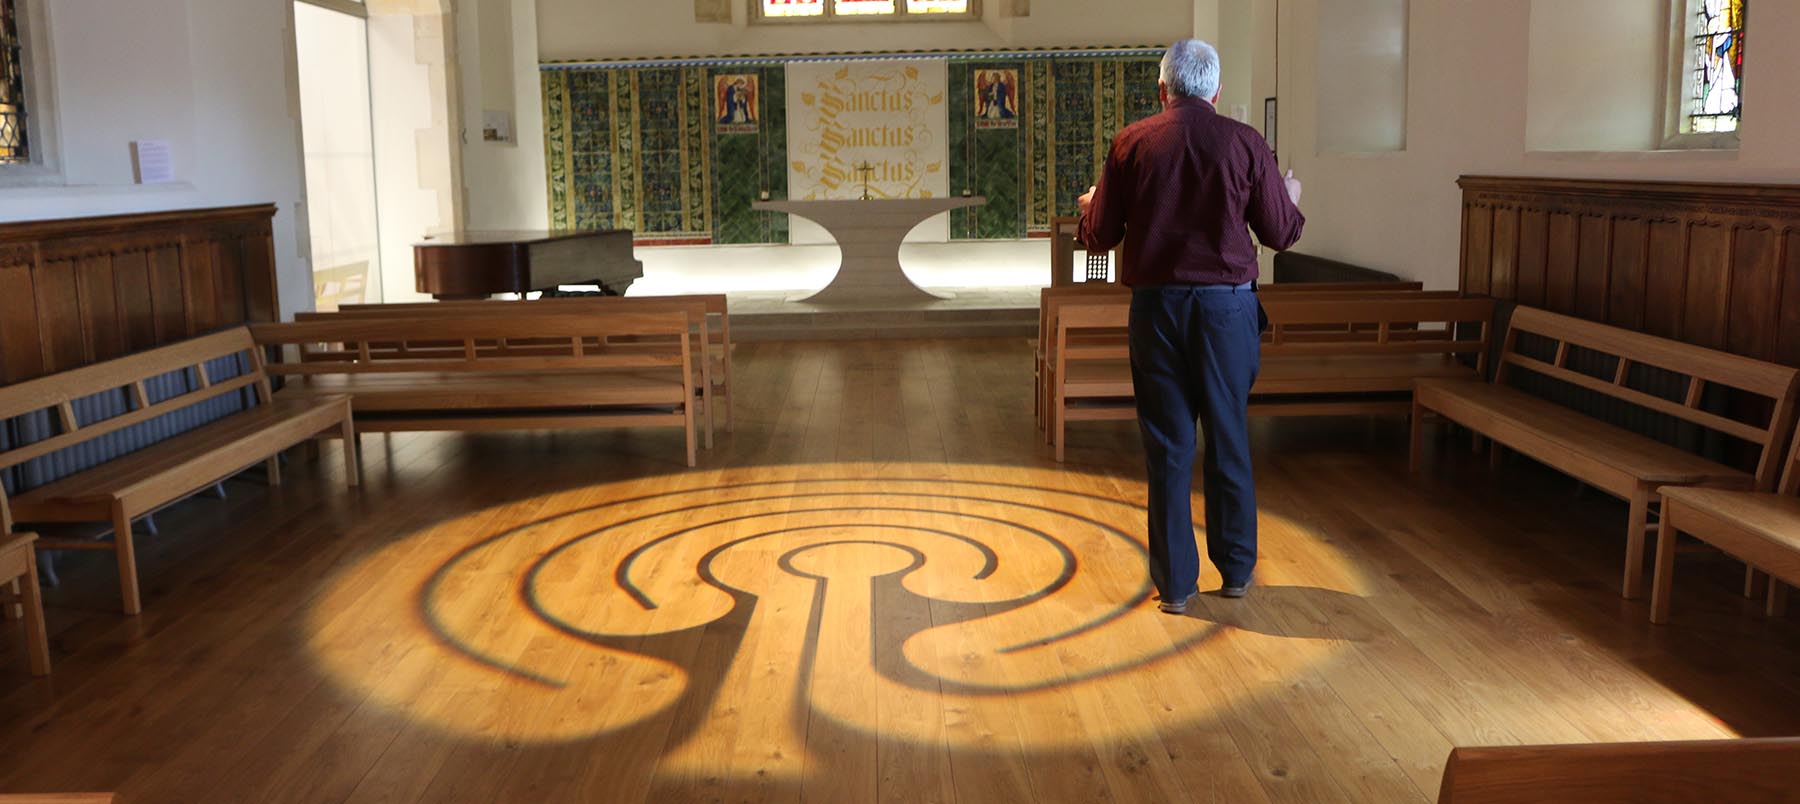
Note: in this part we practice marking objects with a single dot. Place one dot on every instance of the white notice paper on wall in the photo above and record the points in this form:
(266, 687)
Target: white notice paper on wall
(153, 161)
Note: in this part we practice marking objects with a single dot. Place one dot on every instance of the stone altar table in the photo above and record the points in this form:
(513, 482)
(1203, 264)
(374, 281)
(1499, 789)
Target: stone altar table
(869, 234)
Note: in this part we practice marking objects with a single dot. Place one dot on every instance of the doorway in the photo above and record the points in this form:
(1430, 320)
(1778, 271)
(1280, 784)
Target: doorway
(332, 43)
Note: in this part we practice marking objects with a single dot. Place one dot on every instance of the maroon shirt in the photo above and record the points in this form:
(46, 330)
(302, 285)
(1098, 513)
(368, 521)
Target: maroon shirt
(1184, 189)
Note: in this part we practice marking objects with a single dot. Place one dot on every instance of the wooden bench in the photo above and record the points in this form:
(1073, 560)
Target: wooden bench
(559, 378)
(1754, 771)
(1610, 458)
(141, 482)
(23, 600)
(1051, 300)
(708, 315)
(1761, 529)
(1321, 356)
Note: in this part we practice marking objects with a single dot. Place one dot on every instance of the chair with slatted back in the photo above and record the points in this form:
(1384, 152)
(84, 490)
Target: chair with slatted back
(23, 600)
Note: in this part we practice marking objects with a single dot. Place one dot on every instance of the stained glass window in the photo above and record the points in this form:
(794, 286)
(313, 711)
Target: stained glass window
(15, 145)
(864, 10)
(859, 8)
(937, 6)
(793, 8)
(1714, 102)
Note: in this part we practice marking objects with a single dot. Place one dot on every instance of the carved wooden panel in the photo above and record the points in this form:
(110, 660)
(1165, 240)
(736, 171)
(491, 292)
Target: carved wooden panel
(1712, 264)
(74, 292)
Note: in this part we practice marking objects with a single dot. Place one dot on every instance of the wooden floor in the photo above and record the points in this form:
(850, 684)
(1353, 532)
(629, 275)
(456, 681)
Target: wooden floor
(879, 589)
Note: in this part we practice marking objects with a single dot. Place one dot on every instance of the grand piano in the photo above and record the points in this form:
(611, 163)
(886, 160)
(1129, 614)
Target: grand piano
(476, 265)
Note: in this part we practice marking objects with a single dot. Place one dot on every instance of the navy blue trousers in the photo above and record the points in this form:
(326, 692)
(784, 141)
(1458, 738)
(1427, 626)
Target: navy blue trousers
(1195, 352)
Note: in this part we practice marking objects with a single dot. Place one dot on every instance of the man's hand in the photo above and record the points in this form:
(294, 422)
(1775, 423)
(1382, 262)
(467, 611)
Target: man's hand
(1087, 199)
(1293, 188)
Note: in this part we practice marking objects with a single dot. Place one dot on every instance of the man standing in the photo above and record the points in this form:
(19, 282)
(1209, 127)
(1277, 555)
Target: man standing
(1184, 190)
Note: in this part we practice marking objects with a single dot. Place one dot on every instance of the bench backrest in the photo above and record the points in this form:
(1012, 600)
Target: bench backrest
(700, 311)
(708, 304)
(379, 344)
(1702, 369)
(133, 378)
(1309, 325)
(1624, 773)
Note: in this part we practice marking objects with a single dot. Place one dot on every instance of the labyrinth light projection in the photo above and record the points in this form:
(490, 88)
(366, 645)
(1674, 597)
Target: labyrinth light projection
(725, 611)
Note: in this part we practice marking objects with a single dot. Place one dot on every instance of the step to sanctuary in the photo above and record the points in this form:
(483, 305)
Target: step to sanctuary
(1003, 312)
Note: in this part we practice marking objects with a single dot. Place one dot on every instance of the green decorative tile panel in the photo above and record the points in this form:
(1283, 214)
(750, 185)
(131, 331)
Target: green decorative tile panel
(644, 148)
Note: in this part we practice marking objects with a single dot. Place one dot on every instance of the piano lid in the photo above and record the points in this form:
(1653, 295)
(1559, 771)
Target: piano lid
(501, 237)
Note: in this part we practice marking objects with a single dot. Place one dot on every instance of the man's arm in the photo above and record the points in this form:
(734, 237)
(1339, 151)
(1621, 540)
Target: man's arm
(1104, 206)
(1274, 212)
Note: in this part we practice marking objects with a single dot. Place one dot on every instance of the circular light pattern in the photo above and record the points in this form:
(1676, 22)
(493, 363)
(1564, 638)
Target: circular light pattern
(924, 602)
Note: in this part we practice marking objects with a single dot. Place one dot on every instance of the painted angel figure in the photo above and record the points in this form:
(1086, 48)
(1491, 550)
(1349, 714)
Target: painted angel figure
(737, 100)
(1721, 78)
(995, 96)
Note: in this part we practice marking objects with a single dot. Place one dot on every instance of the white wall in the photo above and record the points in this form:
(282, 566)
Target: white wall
(1471, 89)
(599, 29)
(1362, 97)
(506, 182)
(1596, 76)
(213, 77)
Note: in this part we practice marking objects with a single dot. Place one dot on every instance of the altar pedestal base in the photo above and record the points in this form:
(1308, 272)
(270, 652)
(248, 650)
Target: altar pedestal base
(869, 233)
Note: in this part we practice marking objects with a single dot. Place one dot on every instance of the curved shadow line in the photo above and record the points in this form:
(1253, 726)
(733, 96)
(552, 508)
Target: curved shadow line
(441, 631)
(704, 568)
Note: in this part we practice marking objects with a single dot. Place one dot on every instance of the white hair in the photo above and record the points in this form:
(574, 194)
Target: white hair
(1191, 70)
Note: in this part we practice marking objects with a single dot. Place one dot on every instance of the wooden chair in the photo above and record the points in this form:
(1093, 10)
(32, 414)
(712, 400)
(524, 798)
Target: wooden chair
(1755, 771)
(1759, 528)
(23, 600)
(560, 377)
(133, 485)
(1612, 459)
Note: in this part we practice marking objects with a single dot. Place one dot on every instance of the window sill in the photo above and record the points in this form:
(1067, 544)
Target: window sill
(51, 191)
(1664, 155)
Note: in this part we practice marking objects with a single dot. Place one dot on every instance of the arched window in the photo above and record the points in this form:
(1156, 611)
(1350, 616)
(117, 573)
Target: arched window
(862, 10)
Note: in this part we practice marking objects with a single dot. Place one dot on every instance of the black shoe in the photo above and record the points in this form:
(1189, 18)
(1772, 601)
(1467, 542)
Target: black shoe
(1168, 606)
(1235, 591)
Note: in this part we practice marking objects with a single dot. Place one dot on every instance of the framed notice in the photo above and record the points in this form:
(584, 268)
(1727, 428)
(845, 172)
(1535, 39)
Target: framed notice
(1269, 122)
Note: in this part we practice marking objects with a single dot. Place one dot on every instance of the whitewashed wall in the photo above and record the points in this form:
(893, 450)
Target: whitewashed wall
(213, 77)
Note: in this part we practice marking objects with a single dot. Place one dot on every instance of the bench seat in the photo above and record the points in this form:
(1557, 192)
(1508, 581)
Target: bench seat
(439, 391)
(165, 470)
(1280, 376)
(1570, 441)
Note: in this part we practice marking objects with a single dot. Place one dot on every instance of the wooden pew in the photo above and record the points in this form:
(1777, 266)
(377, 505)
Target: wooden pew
(139, 483)
(1612, 459)
(1754, 771)
(560, 380)
(708, 313)
(1051, 299)
(24, 600)
(1321, 356)
(1759, 528)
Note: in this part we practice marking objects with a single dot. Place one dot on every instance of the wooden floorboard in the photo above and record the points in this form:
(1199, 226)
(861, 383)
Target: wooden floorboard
(880, 588)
